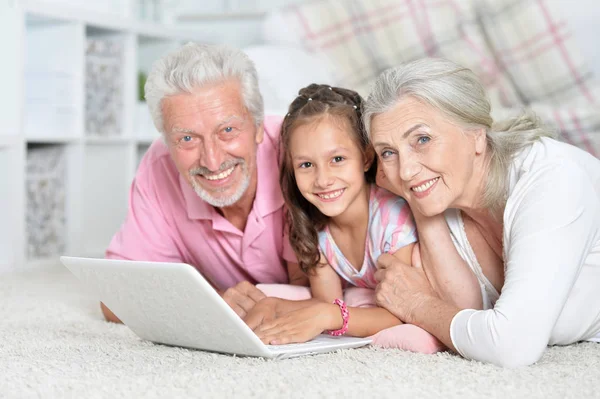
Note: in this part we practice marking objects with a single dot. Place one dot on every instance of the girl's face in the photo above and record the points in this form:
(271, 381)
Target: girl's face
(328, 164)
(427, 159)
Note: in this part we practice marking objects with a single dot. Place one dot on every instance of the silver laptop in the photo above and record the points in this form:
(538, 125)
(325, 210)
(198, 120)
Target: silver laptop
(172, 304)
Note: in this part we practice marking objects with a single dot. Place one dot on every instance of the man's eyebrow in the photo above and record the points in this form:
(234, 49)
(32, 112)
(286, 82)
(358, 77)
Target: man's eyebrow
(231, 118)
(182, 130)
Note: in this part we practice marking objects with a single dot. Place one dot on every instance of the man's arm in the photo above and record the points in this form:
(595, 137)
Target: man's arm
(146, 234)
(109, 315)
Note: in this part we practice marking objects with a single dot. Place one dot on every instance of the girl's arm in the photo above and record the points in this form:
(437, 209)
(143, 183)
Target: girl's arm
(325, 283)
(295, 275)
(306, 321)
(325, 286)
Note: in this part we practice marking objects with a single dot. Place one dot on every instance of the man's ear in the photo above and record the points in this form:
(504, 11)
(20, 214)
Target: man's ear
(260, 133)
(369, 157)
(480, 140)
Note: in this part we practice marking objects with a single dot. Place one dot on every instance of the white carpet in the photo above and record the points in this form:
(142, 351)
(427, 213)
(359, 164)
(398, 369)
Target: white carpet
(54, 343)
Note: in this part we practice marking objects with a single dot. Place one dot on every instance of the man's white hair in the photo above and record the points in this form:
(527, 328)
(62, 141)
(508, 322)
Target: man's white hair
(194, 65)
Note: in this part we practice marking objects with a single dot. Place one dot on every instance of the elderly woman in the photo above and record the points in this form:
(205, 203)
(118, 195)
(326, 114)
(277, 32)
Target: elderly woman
(508, 219)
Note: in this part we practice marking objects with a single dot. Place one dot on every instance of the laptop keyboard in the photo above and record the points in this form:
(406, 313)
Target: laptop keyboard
(319, 341)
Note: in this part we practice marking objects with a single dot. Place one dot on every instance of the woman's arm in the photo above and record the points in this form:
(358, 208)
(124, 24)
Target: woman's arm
(550, 229)
(448, 273)
(450, 276)
(548, 234)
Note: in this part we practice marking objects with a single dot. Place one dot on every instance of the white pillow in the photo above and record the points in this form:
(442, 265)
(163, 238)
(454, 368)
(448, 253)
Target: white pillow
(283, 70)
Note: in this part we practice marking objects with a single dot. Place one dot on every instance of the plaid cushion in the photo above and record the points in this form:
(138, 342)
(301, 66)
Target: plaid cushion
(536, 52)
(523, 50)
(364, 37)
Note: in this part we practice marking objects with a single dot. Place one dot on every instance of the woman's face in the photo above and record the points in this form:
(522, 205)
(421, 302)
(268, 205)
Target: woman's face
(427, 159)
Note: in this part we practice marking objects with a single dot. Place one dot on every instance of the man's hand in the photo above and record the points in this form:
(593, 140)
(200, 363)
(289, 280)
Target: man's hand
(242, 297)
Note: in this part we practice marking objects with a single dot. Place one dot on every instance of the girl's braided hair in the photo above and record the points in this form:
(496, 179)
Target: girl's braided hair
(313, 103)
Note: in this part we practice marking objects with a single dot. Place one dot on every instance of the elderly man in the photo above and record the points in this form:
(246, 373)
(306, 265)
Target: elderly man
(208, 193)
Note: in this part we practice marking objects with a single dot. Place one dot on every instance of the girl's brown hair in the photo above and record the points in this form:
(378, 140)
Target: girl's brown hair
(313, 103)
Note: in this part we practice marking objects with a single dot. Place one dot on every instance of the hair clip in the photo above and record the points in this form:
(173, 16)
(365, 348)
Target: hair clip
(309, 99)
(355, 107)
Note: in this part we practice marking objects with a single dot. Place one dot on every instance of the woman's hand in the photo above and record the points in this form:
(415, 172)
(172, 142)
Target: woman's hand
(299, 325)
(402, 288)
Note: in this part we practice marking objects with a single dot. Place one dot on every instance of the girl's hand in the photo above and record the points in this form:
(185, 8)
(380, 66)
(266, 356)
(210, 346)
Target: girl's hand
(263, 312)
(300, 325)
(402, 288)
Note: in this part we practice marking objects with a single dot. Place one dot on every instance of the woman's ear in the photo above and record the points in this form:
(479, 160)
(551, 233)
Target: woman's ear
(480, 140)
(369, 157)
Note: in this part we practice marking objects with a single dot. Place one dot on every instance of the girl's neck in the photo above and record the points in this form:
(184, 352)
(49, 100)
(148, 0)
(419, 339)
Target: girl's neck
(356, 217)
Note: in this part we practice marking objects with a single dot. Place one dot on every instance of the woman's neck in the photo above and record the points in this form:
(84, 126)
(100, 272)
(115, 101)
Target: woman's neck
(472, 203)
(356, 216)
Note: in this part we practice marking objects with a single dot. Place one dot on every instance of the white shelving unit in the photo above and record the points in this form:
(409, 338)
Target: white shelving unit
(71, 134)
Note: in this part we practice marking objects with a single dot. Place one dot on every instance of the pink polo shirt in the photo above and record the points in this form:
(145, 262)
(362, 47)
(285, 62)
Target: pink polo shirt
(168, 222)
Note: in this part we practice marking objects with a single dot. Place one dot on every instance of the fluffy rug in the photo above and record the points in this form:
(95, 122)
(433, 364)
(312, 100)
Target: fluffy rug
(54, 343)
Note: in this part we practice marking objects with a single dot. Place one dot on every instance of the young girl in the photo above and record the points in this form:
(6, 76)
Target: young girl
(340, 222)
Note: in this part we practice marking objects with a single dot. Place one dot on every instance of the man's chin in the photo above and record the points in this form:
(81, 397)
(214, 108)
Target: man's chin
(219, 198)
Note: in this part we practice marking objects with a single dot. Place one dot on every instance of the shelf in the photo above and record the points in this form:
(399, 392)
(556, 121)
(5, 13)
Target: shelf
(52, 79)
(44, 11)
(46, 191)
(43, 263)
(105, 55)
(65, 181)
(9, 140)
(104, 206)
(221, 16)
(146, 141)
(108, 140)
(11, 204)
(52, 139)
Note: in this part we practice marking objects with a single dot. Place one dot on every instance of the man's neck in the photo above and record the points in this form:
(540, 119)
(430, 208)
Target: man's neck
(237, 214)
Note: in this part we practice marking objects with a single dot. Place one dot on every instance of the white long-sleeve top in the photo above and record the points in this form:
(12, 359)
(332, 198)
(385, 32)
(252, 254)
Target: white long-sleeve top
(551, 244)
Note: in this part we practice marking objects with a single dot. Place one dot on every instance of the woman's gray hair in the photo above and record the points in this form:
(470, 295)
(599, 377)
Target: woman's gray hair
(194, 65)
(457, 92)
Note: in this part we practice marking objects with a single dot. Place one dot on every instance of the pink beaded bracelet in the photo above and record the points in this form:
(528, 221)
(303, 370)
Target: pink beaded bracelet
(345, 317)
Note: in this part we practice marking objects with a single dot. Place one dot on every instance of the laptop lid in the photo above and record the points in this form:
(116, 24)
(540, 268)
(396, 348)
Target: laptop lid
(168, 303)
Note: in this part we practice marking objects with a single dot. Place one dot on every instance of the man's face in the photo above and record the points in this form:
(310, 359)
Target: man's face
(213, 139)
